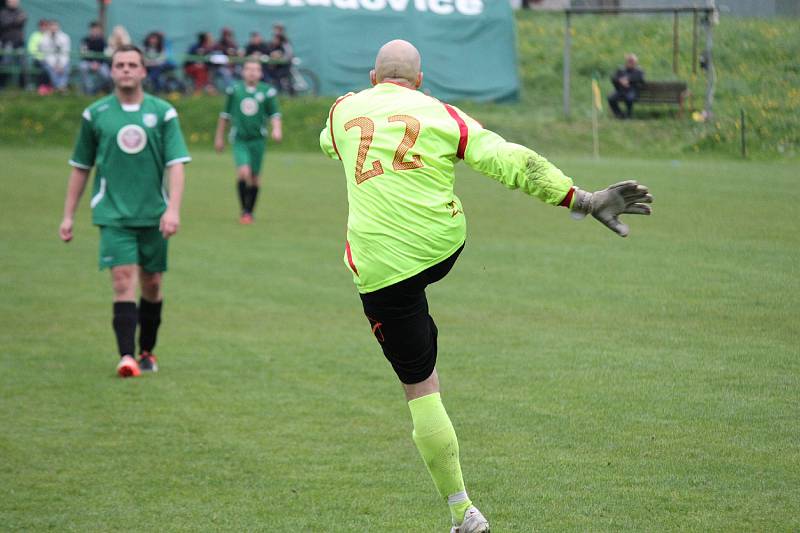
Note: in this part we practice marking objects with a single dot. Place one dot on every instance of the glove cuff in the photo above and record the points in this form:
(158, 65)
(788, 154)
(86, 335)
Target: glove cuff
(581, 204)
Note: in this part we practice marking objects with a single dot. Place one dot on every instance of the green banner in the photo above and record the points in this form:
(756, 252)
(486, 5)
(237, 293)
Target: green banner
(468, 46)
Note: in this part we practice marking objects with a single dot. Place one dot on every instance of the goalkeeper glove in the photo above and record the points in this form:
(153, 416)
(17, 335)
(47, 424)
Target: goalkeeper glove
(625, 197)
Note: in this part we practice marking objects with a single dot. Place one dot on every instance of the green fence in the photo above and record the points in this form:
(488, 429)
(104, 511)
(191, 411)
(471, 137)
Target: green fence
(468, 46)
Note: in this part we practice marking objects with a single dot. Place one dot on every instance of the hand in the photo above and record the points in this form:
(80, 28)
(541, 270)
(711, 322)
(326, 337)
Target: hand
(625, 197)
(219, 145)
(65, 230)
(277, 135)
(170, 221)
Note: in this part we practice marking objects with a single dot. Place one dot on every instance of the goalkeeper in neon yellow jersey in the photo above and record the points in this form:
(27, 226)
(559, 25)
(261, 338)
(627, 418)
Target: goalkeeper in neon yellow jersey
(247, 107)
(406, 228)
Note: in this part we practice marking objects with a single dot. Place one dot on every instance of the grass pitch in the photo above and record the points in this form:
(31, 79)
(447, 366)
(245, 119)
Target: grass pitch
(596, 383)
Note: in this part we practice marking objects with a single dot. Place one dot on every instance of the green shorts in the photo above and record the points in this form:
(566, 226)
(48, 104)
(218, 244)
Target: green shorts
(145, 247)
(249, 153)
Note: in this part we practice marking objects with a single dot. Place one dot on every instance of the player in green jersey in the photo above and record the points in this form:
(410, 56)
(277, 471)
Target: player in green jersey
(406, 228)
(131, 138)
(249, 103)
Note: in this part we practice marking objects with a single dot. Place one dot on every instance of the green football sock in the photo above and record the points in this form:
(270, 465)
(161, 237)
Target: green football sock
(438, 445)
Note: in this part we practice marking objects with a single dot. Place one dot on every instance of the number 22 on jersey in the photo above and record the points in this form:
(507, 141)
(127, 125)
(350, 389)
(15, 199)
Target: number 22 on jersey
(367, 127)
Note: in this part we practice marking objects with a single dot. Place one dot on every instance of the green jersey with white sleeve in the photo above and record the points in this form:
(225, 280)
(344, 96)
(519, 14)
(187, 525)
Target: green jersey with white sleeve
(130, 146)
(248, 108)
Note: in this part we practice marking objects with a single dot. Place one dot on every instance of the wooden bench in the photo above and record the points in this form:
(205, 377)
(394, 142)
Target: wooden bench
(664, 92)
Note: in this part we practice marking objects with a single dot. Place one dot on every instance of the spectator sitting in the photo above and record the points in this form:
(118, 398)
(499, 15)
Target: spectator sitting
(155, 59)
(95, 75)
(36, 55)
(119, 36)
(227, 47)
(280, 59)
(627, 80)
(279, 36)
(198, 70)
(12, 40)
(55, 46)
(256, 45)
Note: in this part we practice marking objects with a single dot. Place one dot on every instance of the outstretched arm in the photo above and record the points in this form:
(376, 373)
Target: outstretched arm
(515, 166)
(518, 167)
(77, 183)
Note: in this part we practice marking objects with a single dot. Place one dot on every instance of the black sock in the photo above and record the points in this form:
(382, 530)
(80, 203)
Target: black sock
(149, 320)
(125, 318)
(252, 195)
(243, 195)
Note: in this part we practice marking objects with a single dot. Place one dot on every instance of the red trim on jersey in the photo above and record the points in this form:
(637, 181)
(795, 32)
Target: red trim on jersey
(568, 198)
(330, 123)
(350, 257)
(462, 129)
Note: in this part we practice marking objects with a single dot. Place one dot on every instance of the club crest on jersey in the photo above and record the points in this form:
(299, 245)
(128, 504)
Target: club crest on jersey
(150, 119)
(249, 107)
(131, 139)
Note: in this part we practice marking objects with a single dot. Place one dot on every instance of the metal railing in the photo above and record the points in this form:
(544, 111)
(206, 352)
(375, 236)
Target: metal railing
(20, 68)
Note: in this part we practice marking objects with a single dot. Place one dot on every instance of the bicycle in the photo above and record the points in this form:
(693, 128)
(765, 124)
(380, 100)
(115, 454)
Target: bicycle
(304, 81)
(170, 81)
(296, 81)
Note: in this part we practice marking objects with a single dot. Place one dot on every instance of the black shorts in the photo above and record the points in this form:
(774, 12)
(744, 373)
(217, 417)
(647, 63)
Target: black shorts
(398, 316)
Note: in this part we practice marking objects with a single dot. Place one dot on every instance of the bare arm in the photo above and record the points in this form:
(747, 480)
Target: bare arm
(77, 183)
(219, 137)
(277, 128)
(171, 219)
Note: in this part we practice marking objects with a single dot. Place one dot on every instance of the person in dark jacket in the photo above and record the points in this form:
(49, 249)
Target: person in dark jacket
(95, 74)
(198, 70)
(628, 81)
(280, 55)
(224, 58)
(12, 40)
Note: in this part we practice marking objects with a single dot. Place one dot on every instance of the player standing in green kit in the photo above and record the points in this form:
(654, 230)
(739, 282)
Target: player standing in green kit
(248, 105)
(132, 138)
(406, 228)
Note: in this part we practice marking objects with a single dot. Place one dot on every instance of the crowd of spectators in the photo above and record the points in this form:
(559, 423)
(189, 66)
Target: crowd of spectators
(46, 60)
(216, 64)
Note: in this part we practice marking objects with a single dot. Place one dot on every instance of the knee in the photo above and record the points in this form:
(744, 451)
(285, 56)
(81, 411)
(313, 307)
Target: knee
(244, 173)
(122, 280)
(151, 285)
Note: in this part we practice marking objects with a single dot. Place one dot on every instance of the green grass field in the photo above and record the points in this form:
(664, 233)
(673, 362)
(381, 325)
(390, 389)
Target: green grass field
(596, 383)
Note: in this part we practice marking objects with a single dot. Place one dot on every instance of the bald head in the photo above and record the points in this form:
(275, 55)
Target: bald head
(398, 61)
